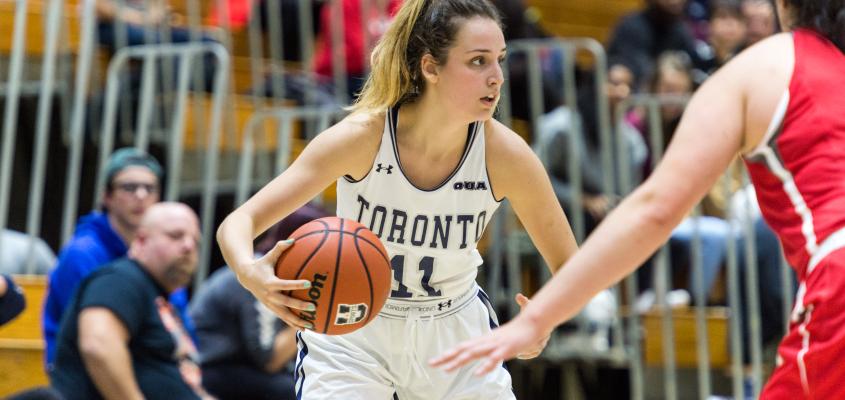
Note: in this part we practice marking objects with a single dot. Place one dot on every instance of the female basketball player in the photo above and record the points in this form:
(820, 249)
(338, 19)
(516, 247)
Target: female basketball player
(780, 104)
(421, 162)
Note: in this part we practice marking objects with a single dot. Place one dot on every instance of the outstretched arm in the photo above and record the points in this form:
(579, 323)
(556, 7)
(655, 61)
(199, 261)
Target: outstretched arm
(708, 137)
(518, 175)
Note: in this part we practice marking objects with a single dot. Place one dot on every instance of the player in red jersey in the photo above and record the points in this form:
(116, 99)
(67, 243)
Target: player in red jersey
(781, 105)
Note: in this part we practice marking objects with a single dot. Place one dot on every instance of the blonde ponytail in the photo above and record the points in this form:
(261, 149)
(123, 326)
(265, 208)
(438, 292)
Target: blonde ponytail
(390, 78)
(420, 27)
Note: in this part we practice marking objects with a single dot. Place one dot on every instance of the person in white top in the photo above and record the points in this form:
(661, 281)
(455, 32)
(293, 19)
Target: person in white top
(422, 163)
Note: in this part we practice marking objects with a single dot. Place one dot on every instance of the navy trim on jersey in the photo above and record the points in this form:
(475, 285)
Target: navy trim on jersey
(472, 131)
(486, 301)
(490, 315)
(299, 370)
(490, 181)
(350, 179)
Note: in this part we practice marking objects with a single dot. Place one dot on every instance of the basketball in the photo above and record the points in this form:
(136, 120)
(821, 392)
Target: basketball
(349, 272)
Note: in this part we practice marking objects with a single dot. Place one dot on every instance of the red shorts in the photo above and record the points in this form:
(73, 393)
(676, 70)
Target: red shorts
(812, 355)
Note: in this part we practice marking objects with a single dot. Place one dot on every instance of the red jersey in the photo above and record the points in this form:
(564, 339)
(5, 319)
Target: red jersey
(376, 22)
(798, 170)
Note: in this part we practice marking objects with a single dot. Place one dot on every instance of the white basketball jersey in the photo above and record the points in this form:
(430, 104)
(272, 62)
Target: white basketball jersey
(430, 235)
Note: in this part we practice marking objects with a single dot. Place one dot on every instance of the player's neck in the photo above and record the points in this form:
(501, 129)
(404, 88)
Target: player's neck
(432, 131)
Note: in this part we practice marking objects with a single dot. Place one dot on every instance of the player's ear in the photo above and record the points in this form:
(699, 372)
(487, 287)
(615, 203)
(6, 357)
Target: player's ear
(429, 67)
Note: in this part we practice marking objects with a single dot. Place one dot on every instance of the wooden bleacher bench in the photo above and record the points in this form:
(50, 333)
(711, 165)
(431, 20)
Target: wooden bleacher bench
(684, 332)
(237, 111)
(36, 27)
(577, 18)
(21, 340)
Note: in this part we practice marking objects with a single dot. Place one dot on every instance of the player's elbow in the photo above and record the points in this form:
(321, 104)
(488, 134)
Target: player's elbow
(661, 209)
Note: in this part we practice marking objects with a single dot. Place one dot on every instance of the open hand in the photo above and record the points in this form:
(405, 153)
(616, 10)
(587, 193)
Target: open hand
(516, 338)
(537, 348)
(260, 279)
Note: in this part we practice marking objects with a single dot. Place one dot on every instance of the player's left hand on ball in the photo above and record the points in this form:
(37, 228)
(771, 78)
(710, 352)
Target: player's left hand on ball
(537, 348)
(508, 341)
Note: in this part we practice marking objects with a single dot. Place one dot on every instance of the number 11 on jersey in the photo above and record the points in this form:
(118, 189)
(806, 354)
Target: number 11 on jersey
(397, 263)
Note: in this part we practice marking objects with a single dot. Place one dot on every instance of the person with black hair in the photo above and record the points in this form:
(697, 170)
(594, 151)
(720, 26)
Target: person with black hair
(642, 36)
(120, 337)
(133, 184)
(555, 139)
(779, 104)
(727, 33)
(760, 20)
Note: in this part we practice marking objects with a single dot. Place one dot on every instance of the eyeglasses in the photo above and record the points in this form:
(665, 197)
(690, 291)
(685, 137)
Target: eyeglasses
(132, 187)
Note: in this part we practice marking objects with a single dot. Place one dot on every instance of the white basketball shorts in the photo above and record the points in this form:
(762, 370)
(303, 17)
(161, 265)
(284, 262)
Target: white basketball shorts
(388, 358)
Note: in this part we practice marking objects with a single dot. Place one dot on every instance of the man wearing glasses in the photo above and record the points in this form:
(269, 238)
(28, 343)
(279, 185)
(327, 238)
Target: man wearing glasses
(133, 184)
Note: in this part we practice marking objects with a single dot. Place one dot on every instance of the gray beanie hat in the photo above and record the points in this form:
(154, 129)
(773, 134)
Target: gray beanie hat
(130, 156)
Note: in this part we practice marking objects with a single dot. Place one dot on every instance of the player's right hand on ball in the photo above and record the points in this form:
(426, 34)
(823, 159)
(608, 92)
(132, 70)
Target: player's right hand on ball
(260, 279)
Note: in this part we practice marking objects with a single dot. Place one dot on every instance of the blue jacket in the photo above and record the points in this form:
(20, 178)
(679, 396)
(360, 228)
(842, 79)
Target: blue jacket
(93, 244)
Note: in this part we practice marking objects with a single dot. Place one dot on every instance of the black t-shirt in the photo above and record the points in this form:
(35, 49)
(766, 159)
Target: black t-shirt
(158, 344)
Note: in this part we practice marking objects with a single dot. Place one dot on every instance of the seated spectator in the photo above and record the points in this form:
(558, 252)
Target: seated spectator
(555, 141)
(760, 20)
(557, 129)
(12, 301)
(727, 34)
(141, 21)
(136, 22)
(133, 184)
(15, 250)
(355, 27)
(642, 36)
(520, 22)
(121, 337)
(675, 78)
(245, 350)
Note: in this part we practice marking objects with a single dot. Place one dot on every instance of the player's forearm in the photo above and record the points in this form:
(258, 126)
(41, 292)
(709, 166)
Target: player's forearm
(110, 367)
(628, 236)
(235, 236)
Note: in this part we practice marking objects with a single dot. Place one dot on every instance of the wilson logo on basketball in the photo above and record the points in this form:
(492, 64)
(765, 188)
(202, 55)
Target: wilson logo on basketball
(469, 185)
(314, 295)
(350, 313)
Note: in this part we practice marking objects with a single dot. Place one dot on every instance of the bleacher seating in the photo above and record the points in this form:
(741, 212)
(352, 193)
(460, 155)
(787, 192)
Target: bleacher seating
(21, 342)
(36, 27)
(577, 18)
(684, 332)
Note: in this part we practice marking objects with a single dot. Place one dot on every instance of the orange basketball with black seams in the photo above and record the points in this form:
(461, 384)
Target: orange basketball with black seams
(349, 272)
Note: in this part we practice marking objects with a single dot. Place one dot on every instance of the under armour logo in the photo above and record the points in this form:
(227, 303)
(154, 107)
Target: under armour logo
(348, 314)
(445, 304)
(388, 168)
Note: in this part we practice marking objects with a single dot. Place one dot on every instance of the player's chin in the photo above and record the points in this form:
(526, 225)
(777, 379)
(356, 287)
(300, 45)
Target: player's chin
(485, 114)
